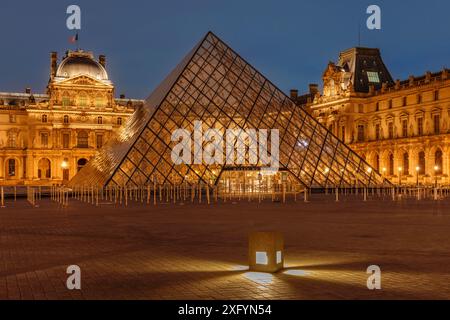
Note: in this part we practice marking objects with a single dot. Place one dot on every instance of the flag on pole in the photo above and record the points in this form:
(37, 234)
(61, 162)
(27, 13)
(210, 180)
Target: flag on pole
(74, 38)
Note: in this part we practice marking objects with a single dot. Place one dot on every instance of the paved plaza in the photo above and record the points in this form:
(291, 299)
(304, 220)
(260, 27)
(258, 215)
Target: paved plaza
(199, 251)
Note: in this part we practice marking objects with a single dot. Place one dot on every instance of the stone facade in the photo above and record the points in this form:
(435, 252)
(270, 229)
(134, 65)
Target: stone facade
(46, 138)
(401, 128)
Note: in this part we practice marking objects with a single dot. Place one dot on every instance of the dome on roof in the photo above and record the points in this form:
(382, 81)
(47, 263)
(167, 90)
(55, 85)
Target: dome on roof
(78, 63)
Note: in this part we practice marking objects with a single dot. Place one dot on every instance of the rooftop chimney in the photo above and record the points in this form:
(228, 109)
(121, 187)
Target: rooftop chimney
(102, 60)
(313, 88)
(53, 64)
(28, 90)
(294, 94)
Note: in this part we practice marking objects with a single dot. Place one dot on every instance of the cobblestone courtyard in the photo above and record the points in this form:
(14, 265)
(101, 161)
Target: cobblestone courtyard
(186, 251)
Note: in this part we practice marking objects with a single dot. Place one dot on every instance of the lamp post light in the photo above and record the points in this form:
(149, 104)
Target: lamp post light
(64, 164)
(400, 175)
(436, 168)
(417, 175)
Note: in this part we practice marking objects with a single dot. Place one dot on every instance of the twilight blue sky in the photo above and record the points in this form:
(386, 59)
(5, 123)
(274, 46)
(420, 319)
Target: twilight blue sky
(289, 41)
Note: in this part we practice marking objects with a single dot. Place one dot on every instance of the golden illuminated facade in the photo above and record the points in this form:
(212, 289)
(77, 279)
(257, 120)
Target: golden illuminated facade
(46, 138)
(401, 128)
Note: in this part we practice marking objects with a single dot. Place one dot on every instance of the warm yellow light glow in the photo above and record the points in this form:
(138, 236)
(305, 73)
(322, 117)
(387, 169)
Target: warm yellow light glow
(436, 168)
(327, 170)
(400, 169)
(384, 169)
(64, 165)
(417, 168)
(369, 170)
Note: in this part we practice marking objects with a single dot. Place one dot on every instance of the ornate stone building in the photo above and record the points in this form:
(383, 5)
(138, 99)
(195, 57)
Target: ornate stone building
(401, 128)
(47, 138)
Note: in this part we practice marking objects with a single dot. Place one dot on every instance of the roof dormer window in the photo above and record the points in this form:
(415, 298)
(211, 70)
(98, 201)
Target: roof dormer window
(373, 77)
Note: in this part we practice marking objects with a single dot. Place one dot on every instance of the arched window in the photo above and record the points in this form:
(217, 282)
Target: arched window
(44, 169)
(406, 163)
(82, 100)
(44, 118)
(421, 162)
(438, 161)
(11, 167)
(81, 163)
(82, 139)
(99, 102)
(65, 101)
(66, 119)
(119, 121)
(391, 164)
(99, 120)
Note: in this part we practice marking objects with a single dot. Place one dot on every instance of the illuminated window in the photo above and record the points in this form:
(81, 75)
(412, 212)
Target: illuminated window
(391, 164)
(373, 77)
(391, 130)
(420, 126)
(83, 139)
(406, 163)
(66, 139)
(360, 133)
(44, 139)
(11, 167)
(436, 121)
(12, 140)
(438, 161)
(404, 128)
(65, 101)
(421, 162)
(82, 101)
(99, 141)
(99, 102)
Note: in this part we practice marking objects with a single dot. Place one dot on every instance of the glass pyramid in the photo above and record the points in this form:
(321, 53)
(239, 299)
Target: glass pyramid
(214, 85)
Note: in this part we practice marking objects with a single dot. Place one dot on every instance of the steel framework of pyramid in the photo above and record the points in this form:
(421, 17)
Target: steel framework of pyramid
(215, 85)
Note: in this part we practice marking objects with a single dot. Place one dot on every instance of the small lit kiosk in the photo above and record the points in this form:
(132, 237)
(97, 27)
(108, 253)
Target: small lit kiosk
(266, 251)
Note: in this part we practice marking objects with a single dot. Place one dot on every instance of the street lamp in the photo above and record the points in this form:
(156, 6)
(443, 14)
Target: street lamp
(417, 175)
(399, 175)
(384, 171)
(64, 164)
(436, 168)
